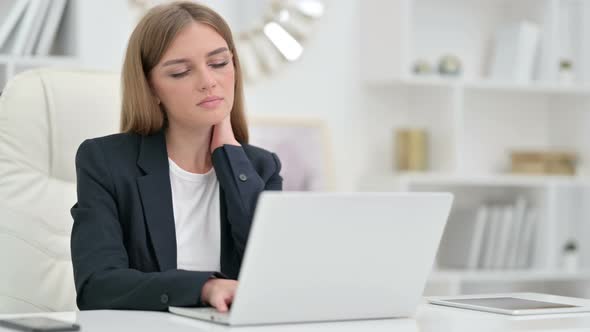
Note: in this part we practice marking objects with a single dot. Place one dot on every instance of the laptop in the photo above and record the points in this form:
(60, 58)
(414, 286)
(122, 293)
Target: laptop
(315, 257)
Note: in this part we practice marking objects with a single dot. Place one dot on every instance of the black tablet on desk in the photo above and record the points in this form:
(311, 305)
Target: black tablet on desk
(513, 304)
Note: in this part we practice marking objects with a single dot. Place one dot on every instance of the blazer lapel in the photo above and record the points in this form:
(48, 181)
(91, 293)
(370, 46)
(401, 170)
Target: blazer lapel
(156, 198)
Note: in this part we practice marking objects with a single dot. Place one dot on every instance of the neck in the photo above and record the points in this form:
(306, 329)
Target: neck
(190, 149)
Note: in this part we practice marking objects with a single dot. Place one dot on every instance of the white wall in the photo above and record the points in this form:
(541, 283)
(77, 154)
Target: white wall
(324, 83)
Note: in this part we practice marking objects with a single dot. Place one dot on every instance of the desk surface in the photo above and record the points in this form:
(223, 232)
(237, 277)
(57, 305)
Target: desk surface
(428, 318)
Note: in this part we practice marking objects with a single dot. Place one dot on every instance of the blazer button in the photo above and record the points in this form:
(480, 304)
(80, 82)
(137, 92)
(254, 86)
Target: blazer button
(243, 177)
(164, 298)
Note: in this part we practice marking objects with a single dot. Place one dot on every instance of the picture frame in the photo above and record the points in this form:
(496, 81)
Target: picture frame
(302, 145)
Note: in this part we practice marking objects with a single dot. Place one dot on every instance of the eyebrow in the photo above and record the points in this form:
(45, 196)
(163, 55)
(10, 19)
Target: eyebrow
(177, 61)
(217, 51)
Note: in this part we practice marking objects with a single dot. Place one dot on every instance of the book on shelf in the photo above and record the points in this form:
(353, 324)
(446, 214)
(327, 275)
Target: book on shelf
(515, 245)
(505, 226)
(29, 27)
(50, 27)
(524, 259)
(515, 52)
(489, 236)
(36, 27)
(11, 12)
(477, 237)
(23, 30)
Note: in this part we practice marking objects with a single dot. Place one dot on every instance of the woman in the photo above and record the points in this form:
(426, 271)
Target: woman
(164, 208)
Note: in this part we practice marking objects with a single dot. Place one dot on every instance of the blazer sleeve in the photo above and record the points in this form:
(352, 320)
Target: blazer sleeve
(101, 268)
(275, 182)
(242, 185)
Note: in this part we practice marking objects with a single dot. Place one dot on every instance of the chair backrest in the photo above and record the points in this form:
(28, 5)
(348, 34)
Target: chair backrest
(44, 116)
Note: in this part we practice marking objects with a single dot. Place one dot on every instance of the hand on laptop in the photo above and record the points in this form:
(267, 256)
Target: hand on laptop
(219, 293)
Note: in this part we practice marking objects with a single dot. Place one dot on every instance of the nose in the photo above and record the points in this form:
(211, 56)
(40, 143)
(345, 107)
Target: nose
(207, 82)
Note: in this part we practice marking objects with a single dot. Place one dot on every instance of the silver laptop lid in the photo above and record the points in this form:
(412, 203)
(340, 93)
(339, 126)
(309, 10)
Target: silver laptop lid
(335, 256)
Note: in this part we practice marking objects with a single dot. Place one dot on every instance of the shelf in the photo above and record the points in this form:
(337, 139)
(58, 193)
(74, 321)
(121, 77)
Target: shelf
(36, 60)
(487, 85)
(474, 121)
(434, 82)
(503, 180)
(540, 88)
(508, 276)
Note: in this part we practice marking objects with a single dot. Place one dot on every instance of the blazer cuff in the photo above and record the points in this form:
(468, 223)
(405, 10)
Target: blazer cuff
(218, 275)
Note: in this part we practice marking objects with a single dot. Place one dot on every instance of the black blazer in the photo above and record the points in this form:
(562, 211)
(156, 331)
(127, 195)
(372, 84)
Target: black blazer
(123, 240)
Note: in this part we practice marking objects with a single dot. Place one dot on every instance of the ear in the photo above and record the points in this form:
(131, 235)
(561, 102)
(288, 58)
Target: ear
(158, 101)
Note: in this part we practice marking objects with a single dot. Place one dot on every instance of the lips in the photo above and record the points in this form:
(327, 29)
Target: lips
(210, 102)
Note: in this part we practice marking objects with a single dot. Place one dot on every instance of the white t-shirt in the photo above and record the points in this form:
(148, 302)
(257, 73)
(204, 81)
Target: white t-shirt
(195, 200)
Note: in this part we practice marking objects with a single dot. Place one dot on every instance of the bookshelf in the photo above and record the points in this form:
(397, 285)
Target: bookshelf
(88, 36)
(29, 30)
(474, 121)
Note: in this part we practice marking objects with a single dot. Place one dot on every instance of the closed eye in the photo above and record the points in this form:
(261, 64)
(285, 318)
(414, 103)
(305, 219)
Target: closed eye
(178, 75)
(219, 64)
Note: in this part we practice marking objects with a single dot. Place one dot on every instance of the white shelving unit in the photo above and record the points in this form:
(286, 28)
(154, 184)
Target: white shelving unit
(91, 35)
(474, 123)
(10, 65)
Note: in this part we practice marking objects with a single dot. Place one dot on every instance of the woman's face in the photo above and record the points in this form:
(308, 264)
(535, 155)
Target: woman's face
(194, 80)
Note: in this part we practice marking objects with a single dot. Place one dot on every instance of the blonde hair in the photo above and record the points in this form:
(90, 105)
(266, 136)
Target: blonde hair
(140, 112)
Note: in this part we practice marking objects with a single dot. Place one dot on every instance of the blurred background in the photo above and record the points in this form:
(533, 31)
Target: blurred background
(488, 99)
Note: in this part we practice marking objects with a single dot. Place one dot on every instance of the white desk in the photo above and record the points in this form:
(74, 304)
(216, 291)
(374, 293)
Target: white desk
(428, 318)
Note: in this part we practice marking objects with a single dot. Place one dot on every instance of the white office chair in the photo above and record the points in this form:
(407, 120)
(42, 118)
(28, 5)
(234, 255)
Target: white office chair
(44, 116)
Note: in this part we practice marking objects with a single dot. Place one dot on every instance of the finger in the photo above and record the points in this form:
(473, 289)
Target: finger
(229, 300)
(219, 303)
